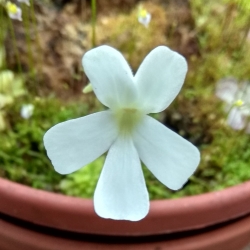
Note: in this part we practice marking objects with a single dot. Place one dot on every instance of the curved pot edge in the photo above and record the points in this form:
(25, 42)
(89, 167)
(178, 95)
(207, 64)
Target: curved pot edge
(48, 209)
(234, 236)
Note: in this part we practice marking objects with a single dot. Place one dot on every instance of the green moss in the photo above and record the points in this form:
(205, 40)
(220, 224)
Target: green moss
(82, 183)
(22, 154)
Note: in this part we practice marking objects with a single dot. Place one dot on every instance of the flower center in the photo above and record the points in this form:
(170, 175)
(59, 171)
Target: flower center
(142, 13)
(238, 103)
(127, 119)
(11, 8)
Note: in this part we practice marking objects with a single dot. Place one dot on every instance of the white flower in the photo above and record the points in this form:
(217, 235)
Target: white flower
(237, 99)
(14, 12)
(27, 2)
(27, 111)
(143, 16)
(126, 131)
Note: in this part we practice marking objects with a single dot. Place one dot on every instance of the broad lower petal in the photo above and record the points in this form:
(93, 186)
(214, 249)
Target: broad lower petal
(160, 78)
(73, 144)
(121, 192)
(110, 76)
(167, 155)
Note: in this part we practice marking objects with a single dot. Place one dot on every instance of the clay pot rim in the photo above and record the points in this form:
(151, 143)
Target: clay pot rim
(77, 215)
(230, 236)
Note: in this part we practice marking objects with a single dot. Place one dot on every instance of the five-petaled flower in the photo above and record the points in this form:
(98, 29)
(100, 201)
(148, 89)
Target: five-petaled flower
(126, 131)
(144, 17)
(237, 99)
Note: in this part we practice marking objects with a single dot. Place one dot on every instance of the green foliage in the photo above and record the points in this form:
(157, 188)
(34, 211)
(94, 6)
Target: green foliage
(82, 183)
(11, 87)
(125, 33)
(22, 154)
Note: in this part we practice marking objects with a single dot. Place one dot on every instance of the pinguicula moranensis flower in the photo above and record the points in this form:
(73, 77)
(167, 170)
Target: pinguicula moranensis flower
(144, 17)
(237, 98)
(126, 131)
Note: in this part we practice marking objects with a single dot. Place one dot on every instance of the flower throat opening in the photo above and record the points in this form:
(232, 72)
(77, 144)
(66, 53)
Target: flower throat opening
(127, 119)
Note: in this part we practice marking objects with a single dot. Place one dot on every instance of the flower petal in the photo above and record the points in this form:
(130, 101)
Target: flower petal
(236, 120)
(110, 76)
(226, 90)
(160, 78)
(17, 15)
(121, 192)
(73, 144)
(167, 155)
(145, 20)
(245, 97)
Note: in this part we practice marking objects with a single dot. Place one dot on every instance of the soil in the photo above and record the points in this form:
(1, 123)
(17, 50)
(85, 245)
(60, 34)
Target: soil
(61, 34)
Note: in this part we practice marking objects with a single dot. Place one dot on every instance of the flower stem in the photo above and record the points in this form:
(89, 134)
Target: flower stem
(2, 34)
(12, 32)
(38, 45)
(93, 22)
(27, 36)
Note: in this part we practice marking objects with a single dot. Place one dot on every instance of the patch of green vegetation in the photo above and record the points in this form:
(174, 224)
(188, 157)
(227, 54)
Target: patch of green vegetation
(125, 33)
(22, 155)
(222, 29)
(82, 183)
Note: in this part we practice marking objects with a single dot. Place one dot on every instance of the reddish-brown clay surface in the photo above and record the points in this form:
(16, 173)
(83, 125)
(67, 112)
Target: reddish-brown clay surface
(165, 216)
(231, 237)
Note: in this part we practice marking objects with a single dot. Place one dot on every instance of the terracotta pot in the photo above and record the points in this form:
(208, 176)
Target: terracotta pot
(35, 219)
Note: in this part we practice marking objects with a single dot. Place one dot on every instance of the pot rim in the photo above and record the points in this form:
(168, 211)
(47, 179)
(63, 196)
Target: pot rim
(230, 237)
(74, 214)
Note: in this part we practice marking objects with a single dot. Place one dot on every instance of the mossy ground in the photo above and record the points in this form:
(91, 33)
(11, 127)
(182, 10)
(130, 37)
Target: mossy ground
(214, 37)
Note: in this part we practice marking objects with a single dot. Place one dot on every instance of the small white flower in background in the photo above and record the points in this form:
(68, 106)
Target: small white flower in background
(27, 2)
(143, 16)
(14, 12)
(27, 111)
(126, 131)
(237, 99)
